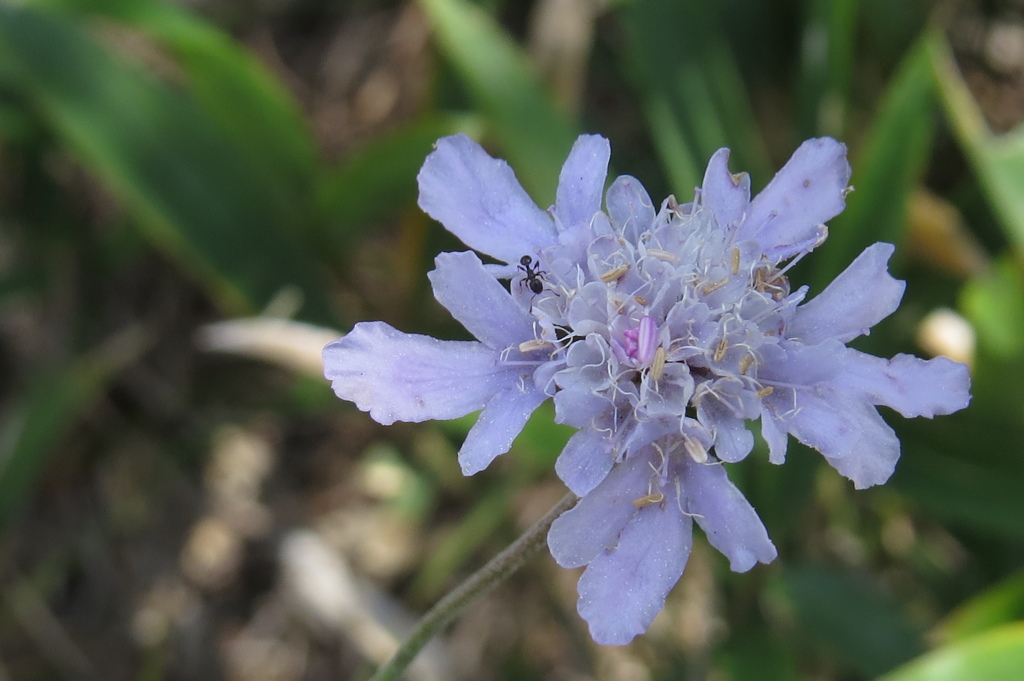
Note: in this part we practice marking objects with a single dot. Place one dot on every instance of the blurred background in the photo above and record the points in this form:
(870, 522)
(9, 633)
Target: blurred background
(196, 196)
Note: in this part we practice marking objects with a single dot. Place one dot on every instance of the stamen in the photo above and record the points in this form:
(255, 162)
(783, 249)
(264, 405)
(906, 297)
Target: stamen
(723, 345)
(534, 344)
(746, 361)
(649, 500)
(662, 255)
(735, 260)
(658, 363)
(765, 391)
(695, 449)
(714, 286)
(614, 274)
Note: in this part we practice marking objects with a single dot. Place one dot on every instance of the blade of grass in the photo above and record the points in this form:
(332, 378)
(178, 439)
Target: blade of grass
(234, 88)
(994, 656)
(996, 606)
(887, 169)
(694, 98)
(193, 193)
(826, 67)
(997, 159)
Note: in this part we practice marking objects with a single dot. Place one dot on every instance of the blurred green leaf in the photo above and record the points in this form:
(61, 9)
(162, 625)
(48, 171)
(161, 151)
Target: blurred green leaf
(993, 656)
(867, 631)
(682, 166)
(689, 85)
(998, 160)
(194, 193)
(756, 654)
(235, 89)
(993, 303)
(997, 606)
(378, 179)
(535, 136)
(35, 425)
(887, 169)
(941, 471)
(827, 66)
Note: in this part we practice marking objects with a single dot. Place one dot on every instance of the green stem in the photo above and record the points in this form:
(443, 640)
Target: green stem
(478, 584)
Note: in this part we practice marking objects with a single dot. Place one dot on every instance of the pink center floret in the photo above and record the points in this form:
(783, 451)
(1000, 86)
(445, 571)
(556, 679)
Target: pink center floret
(640, 342)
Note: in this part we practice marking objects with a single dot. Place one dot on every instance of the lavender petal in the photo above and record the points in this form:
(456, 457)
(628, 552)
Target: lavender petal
(585, 460)
(727, 518)
(724, 194)
(478, 199)
(860, 297)
(500, 422)
(786, 217)
(593, 525)
(581, 182)
(910, 385)
(629, 206)
(404, 377)
(849, 433)
(624, 588)
(478, 301)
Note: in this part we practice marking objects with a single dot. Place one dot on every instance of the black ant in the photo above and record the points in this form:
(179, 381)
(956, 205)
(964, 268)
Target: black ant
(534, 274)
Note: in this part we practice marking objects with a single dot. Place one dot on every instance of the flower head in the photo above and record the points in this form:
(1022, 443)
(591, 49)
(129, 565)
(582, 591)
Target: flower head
(659, 333)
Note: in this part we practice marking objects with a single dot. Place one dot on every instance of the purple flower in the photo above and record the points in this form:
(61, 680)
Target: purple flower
(659, 333)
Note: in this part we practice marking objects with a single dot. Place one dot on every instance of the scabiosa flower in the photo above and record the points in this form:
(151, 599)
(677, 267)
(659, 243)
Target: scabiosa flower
(658, 333)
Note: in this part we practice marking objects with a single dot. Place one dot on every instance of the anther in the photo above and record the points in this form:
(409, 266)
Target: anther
(534, 344)
(649, 500)
(696, 450)
(735, 260)
(746, 361)
(714, 286)
(765, 391)
(658, 364)
(614, 274)
(723, 345)
(662, 255)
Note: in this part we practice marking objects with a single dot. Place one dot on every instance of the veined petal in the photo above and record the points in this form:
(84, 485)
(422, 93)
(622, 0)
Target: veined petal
(479, 301)
(910, 385)
(776, 438)
(577, 408)
(581, 182)
(786, 217)
(733, 441)
(828, 425)
(793, 363)
(725, 515)
(405, 377)
(593, 525)
(849, 433)
(724, 194)
(873, 459)
(500, 422)
(863, 295)
(624, 588)
(629, 206)
(586, 460)
(478, 199)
